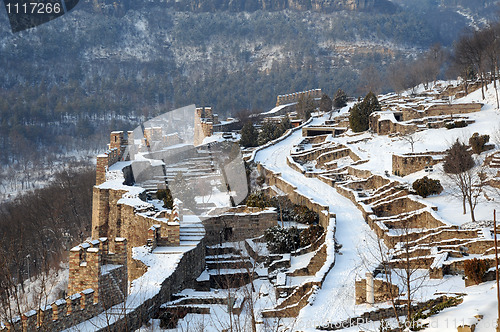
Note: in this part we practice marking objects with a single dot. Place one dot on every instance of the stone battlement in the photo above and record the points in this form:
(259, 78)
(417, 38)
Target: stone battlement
(294, 97)
(116, 147)
(97, 281)
(89, 266)
(59, 315)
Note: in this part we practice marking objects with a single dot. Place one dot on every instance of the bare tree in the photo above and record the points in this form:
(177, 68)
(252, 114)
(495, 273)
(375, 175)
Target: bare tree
(410, 139)
(382, 257)
(470, 180)
(370, 80)
(408, 268)
(427, 67)
(402, 75)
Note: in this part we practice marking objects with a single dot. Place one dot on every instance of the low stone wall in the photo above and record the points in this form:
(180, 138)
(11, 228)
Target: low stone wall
(397, 206)
(315, 264)
(313, 154)
(275, 179)
(359, 173)
(373, 182)
(292, 305)
(403, 165)
(336, 154)
(447, 109)
(377, 315)
(421, 219)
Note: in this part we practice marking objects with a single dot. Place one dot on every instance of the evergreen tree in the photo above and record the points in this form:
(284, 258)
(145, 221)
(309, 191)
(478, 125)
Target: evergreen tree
(285, 124)
(458, 159)
(359, 117)
(249, 135)
(325, 104)
(304, 108)
(340, 99)
(268, 132)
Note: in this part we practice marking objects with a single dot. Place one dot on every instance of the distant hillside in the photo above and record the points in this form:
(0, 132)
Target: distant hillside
(301, 5)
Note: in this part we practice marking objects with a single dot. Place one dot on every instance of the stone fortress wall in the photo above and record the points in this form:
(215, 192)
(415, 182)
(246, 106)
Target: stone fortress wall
(206, 123)
(97, 281)
(102, 268)
(296, 96)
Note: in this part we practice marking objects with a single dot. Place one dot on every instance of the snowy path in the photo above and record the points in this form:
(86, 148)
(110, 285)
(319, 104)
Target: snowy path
(335, 301)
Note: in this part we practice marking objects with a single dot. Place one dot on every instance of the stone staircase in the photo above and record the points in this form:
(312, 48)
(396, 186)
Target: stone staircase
(495, 161)
(196, 303)
(228, 267)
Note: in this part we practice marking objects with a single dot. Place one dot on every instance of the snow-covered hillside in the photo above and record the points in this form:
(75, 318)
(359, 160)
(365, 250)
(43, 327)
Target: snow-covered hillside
(335, 300)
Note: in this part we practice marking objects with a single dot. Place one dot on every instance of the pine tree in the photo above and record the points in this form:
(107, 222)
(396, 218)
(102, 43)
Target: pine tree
(325, 104)
(458, 159)
(304, 108)
(359, 117)
(268, 132)
(285, 124)
(249, 135)
(340, 99)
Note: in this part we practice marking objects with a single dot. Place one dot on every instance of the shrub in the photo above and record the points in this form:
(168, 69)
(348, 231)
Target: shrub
(166, 196)
(303, 215)
(456, 124)
(282, 240)
(258, 199)
(310, 235)
(474, 269)
(478, 142)
(426, 187)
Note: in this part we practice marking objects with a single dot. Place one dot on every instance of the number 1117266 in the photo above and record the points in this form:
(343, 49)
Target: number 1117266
(33, 8)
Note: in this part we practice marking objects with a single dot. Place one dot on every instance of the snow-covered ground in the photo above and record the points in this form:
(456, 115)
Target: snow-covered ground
(335, 300)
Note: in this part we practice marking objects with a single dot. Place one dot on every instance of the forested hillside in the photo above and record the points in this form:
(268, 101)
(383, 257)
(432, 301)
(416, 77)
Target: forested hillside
(110, 65)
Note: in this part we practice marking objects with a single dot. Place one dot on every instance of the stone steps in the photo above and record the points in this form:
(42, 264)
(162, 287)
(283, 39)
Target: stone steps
(229, 264)
(190, 238)
(215, 250)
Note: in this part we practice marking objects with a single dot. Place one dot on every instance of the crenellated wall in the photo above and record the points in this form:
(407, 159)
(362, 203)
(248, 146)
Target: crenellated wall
(57, 316)
(92, 265)
(114, 154)
(294, 97)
